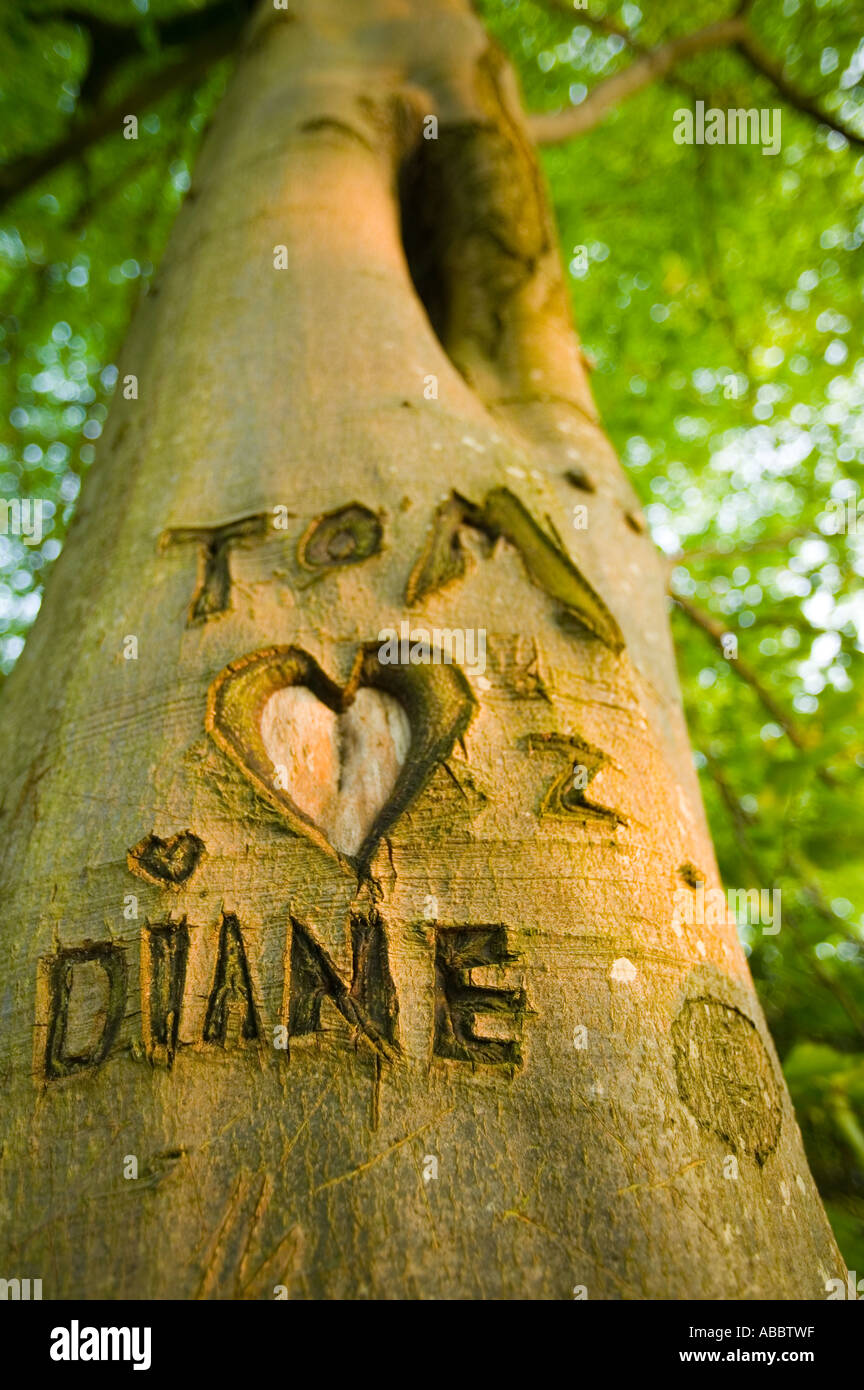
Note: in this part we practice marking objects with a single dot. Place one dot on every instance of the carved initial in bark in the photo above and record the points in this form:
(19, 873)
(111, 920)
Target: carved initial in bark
(546, 562)
(86, 992)
(368, 1004)
(232, 1018)
(565, 794)
(212, 595)
(473, 1022)
(163, 979)
(344, 537)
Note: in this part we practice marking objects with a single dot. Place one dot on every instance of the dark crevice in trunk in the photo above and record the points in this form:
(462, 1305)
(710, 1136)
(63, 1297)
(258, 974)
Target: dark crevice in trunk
(424, 225)
(475, 235)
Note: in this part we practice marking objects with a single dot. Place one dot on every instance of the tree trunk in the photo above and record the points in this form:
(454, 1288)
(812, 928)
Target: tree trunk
(332, 968)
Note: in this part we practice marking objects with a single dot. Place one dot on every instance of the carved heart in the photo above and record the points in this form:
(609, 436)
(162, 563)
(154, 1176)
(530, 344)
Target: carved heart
(339, 769)
(166, 862)
(340, 763)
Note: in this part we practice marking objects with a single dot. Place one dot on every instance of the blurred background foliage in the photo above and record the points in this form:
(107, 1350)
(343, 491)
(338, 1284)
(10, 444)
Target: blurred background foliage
(718, 292)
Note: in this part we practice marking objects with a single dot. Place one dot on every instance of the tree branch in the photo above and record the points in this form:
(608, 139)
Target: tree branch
(763, 62)
(654, 64)
(716, 631)
(23, 173)
(651, 66)
(713, 552)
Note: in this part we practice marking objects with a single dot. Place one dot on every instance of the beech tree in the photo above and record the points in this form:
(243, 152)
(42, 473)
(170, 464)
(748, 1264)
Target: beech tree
(362, 932)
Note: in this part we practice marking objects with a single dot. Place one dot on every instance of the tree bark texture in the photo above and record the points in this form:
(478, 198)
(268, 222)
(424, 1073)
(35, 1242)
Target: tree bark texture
(406, 1010)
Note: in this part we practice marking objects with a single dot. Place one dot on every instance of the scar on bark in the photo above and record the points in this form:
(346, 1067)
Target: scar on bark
(515, 658)
(499, 250)
(333, 126)
(167, 863)
(346, 536)
(565, 794)
(578, 478)
(445, 559)
(212, 595)
(725, 1076)
(479, 241)
(473, 1023)
(691, 875)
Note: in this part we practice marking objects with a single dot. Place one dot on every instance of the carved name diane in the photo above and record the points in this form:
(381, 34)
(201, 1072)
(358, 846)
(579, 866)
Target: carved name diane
(84, 995)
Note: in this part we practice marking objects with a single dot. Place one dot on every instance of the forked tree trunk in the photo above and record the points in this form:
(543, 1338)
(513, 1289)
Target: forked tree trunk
(409, 1008)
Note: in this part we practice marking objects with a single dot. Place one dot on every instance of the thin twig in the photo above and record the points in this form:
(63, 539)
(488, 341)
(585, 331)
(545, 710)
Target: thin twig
(23, 173)
(655, 64)
(711, 552)
(763, 62)
(716, 632)
(651, 66)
